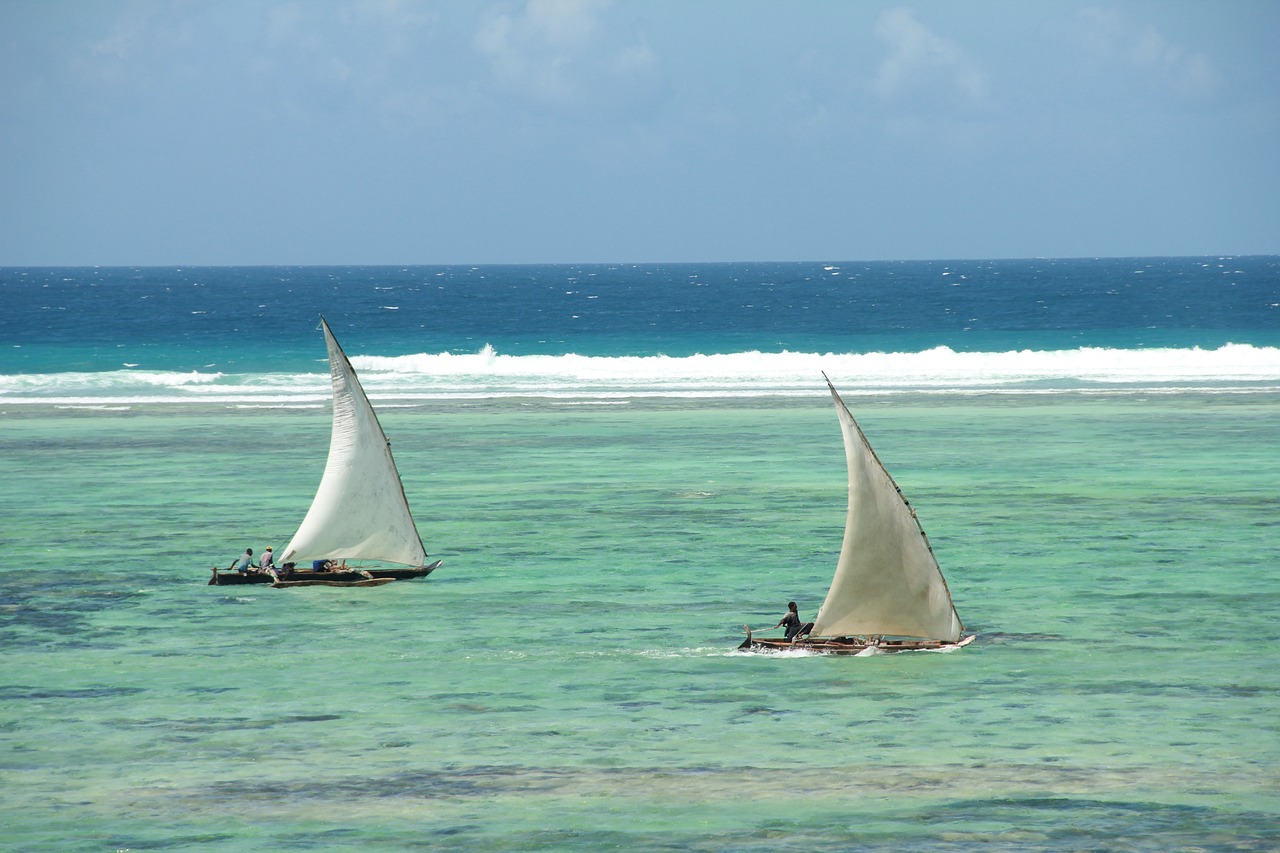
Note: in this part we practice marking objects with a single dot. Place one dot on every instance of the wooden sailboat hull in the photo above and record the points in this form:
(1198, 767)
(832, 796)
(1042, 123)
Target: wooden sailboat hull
(850, 645)
(361, 582)
(406, 574)
(298, 578)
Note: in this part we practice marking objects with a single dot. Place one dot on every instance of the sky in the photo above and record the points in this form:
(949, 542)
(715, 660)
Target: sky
(247, 132)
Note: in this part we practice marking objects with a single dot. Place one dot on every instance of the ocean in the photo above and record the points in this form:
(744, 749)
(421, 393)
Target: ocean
(621, 465)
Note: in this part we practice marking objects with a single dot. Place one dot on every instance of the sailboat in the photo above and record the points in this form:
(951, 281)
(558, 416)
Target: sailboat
(888, 592)
(360, 512)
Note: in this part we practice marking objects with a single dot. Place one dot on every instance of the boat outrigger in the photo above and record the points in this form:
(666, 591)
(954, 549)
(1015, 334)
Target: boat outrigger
(888, 593)
(360, 512)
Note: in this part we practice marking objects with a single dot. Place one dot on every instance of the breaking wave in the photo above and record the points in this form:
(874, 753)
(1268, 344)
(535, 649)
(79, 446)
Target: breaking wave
(1233, 368)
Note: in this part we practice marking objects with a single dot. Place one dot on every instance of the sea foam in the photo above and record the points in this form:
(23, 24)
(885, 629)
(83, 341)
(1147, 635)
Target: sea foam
(1236, 368)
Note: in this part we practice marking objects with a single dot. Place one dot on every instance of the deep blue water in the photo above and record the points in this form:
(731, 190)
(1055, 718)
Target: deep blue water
(248, 319)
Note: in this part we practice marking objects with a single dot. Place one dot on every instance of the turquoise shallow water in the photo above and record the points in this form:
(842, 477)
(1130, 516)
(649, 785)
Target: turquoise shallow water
(567, 681)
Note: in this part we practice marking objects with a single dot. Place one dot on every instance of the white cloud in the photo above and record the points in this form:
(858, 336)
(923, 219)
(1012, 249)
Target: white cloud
(922, 63)
(636, 58)
(563, 23)
(1145, 50)
(559, 51)
(533, 51)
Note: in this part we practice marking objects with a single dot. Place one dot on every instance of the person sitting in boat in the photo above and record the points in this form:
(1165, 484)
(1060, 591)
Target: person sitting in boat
(268, 564)
(244, 563)
(795, 628)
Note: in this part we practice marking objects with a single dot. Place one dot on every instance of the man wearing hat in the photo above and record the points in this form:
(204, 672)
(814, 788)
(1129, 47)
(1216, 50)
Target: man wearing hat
(269, 563)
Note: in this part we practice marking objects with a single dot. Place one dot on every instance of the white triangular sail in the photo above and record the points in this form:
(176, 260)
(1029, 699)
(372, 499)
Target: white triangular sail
(360, 511)
(887, 581)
